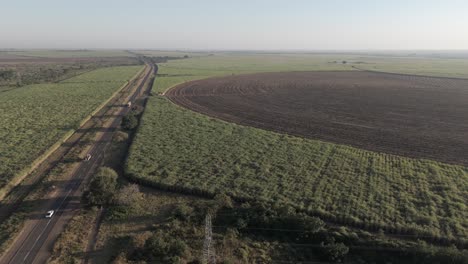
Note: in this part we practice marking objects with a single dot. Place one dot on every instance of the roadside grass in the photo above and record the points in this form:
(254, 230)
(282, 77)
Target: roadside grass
(31, 206)
(34, 117)
(71, 244)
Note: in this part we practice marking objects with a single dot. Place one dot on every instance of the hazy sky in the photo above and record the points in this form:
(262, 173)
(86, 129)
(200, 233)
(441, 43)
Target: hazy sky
(235, 24)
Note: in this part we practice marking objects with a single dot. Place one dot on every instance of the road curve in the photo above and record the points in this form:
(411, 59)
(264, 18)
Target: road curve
(35, 242)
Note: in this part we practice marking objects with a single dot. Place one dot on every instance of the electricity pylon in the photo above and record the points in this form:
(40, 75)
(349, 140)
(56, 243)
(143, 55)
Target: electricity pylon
(209, 256)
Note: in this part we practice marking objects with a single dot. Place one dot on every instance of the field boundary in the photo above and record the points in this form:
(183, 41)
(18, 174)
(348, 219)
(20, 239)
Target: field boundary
(409, 75)
(15, 180)
(408, 233)
(181, 94)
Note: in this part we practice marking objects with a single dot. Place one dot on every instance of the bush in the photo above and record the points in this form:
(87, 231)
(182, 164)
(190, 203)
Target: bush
(259, 217)
(183, 212)
(128, 195)
(164, 249)
(334, 251)
(120, 136)
(130, 121)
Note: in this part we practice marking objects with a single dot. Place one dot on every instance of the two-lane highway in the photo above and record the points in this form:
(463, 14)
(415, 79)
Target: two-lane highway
(35, 245)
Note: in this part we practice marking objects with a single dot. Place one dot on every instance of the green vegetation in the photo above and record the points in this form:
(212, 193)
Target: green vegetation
(7, 74)
(194, 68)
(180, 150)
(169, 228)
(102, 187)
(368, 189)
(130, 121)
(452, 67)
(67, 53)
(33, 71)
(162, 248)
(34, 117)
(177, 71)
(282, 183)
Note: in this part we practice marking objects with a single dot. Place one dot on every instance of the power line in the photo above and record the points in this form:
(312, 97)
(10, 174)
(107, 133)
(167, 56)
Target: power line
(209, 256)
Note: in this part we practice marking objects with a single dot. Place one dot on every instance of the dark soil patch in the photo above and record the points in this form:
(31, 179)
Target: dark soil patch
(415, 116)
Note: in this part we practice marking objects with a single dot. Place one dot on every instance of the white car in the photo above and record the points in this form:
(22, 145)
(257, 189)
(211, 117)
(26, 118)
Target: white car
(50, 213)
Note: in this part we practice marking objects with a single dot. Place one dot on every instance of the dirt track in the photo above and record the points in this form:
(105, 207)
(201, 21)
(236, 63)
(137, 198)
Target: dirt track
(399, 114)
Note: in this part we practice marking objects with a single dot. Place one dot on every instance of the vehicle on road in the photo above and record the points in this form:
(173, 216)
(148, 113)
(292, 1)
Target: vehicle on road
(129, 104)
(88, 157)
(50, 213)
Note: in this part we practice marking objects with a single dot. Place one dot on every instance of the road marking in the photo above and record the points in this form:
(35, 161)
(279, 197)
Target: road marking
(50, 220)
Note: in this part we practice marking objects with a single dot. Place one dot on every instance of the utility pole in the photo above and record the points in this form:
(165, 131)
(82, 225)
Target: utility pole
(209, 256)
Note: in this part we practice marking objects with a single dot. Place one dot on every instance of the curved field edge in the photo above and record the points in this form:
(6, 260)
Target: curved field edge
(29, 125)
(181, 150)
(367, 110)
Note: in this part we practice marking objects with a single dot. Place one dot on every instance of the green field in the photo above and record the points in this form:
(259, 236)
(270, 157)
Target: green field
(34, 117)
(227, 64)
(419, 66)
(181, 150)
(179, 71)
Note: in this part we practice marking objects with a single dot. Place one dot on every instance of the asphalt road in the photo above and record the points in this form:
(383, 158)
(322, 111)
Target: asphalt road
(35, 245)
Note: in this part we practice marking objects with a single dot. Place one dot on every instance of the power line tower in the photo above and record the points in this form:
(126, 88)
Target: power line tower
(209, 256)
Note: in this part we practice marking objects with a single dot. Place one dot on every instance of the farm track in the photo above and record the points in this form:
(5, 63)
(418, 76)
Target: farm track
(408, 115)
(34, 243)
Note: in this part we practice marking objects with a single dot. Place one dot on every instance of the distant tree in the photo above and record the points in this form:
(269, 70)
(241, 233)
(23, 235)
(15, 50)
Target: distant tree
(186, 57)
(344, 62)
(102, 187)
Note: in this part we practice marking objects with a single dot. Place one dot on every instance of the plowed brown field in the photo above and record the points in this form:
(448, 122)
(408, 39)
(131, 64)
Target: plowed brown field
(415, 116)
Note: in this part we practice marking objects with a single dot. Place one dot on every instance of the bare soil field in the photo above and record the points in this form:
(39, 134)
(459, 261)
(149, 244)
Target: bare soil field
(415, 116)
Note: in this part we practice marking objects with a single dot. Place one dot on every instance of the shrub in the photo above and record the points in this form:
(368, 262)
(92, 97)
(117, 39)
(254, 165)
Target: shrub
(128, 195)
(120, 136)
(183, 212)
(334, 251)
(161, 248)
(129, 121)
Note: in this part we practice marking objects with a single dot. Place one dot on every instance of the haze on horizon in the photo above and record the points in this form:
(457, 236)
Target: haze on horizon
(235, 25)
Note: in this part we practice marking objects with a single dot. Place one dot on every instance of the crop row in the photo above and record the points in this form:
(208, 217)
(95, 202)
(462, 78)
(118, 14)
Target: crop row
(178, 149)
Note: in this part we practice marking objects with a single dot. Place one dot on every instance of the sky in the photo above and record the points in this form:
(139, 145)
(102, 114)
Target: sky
(235, 24)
